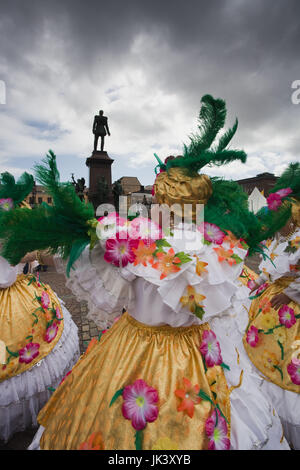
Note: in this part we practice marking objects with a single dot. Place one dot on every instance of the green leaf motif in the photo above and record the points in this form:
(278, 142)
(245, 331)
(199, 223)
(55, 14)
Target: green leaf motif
(162, 242)
(11, 353)
(205, 397)
(49, 324)
(199, 312)
(31, 280)
(282, 350)
(222, 414)
(184, 258)
(116, 395)
(244, 245)
(236, 258)
(36, 319)
(279, 369)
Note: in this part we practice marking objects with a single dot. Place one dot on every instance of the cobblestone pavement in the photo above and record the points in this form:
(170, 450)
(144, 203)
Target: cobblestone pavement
(87, 330)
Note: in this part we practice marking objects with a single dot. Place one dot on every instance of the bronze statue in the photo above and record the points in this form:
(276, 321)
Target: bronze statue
(79, 187)
(100, 129)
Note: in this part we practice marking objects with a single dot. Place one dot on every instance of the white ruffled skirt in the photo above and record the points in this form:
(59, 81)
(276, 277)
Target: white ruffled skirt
(285, 402)
(23, 396)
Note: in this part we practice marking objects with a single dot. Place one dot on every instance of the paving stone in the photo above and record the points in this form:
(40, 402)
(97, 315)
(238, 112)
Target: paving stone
(86, 336)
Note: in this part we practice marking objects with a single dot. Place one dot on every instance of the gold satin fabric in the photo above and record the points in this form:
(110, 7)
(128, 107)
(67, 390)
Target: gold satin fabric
(296, 212)
(175, 186)
(128, 351)
(16, 323)
(268, 351)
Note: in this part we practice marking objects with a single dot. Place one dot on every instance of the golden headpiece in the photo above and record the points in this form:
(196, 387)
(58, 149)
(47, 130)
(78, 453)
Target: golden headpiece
(296, 212)
(177, 187)
(179, 181)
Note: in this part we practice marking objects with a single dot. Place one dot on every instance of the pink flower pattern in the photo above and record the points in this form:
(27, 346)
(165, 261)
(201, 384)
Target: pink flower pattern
(275, 199)
(262, 288)
(29, 352)
(45, 300)
(119, 250)
(58, 314)
(217, 433)
(210, 348)
(51, 332)
(251, 284)
(211, 232)
(145, 229)
(252, 336)
(284, 192)
(139, 404)
(6, 204)
(294, 371)
(287, 316)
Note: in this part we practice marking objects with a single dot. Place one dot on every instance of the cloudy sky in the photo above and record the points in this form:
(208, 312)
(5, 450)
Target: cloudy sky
(146, 64)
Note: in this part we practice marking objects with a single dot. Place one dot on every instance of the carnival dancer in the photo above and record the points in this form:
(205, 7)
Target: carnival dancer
(272, 337)
(170, 373)
(38, 339)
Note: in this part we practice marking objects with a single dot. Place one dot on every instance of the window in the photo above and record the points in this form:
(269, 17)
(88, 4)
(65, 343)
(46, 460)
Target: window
(49, 200)
(40, 200)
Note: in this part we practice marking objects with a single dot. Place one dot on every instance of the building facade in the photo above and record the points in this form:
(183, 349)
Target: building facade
(264, 182)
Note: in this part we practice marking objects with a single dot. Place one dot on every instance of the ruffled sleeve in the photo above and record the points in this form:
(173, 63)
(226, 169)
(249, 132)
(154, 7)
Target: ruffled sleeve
(217, 285)
(8, 273)
(208, 281)
(106, 289)
(283, 255)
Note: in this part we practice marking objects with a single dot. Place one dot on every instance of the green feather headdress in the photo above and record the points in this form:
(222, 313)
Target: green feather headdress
(227, 207)
(63, 228)
(290, 178)
(17, 191)
(202, 149)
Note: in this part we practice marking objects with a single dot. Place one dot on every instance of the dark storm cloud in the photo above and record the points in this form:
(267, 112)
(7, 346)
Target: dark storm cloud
(246, 52)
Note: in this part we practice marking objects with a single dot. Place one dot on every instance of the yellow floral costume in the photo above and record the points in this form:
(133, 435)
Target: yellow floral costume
(126, 352)
(275, 349)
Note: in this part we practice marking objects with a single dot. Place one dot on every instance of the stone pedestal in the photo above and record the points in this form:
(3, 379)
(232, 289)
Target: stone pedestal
(99, 164)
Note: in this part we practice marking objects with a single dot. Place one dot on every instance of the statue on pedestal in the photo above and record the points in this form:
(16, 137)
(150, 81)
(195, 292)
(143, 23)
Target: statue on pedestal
(100, 129)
